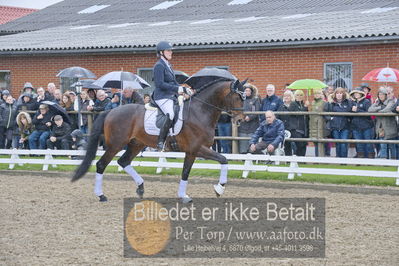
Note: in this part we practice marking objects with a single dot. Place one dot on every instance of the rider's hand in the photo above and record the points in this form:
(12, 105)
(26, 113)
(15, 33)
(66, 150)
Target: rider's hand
(185, 90)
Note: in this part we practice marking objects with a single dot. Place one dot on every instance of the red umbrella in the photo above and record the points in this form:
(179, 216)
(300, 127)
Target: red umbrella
(386, 74)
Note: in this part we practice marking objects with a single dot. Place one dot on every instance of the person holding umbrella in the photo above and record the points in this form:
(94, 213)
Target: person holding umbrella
(166, 88)
(130, 95)
(362, 126)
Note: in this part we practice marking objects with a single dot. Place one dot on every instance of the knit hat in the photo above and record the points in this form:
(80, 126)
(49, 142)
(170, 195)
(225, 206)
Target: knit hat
(28, 85)
(383, 90)
(5, 92)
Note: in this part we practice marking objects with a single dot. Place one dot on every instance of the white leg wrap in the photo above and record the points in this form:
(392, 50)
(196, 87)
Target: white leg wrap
(98, 186)
(182, 188)
(136, 177)
(223, 174)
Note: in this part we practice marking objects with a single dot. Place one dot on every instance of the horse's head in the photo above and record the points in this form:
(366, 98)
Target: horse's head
(235, 101)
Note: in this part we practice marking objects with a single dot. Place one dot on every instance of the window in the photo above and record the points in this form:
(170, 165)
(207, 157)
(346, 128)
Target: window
(5, 78)
(66, 84)
(146, 73)
(338, 75)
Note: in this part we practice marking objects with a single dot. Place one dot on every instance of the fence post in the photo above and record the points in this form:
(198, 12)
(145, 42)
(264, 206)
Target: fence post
(234, 133)
(247, 163)
(13, 157)
(89, 123)
(397, 179)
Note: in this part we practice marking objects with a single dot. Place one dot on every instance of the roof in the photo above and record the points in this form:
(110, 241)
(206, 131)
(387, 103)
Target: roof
(68, 12)
(9, 13)
(331, 26)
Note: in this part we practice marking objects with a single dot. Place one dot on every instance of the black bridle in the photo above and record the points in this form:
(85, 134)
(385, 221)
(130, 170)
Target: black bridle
(234, 88)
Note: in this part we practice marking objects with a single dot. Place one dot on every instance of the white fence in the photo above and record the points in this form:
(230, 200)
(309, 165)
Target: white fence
(252, 163)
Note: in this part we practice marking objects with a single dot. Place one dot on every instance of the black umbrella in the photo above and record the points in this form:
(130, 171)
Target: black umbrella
(121, 80)
(206, 75)
(56, 109)
(76, 72)
(181, 77)
(87, 83)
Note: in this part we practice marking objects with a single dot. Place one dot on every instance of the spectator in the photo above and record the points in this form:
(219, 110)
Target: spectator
(60, 135)
(72, 96)
(288, 98)
(224, 130)
(367, 90)
(42, 123)
(385, 126)
(327, 92)
(57, 96)
(78, 141)
(68, 104)
(92, 94)
(41, 96)
(317, 123)
(362, 126)
(339, 125)
(299, 124)
(391, 94)
(115, 101)
(28, 88)
(85, 102)
(27, 103)
(100, 103)
(4, 95)
(271, 101)
(25, 128)
(131, 96)
(50, 91)
(271, 130)
(8, 113)
(147, 98)
(251, 122)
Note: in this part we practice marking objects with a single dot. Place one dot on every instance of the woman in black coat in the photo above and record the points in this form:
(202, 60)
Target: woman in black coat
(299, 124)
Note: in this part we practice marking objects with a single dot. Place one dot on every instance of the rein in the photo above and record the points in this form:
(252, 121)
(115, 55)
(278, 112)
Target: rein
(209, 104)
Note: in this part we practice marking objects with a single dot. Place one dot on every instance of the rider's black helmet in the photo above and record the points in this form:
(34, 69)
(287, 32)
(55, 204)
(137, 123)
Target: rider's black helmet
(163, 45)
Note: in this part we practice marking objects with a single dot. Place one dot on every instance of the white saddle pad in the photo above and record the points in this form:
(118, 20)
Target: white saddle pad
(150, 118)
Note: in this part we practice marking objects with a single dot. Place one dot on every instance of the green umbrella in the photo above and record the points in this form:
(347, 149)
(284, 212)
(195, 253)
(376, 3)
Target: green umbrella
(307, 84)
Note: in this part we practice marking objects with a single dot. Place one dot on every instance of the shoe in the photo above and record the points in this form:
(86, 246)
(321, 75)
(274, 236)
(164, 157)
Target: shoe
(140, 190)
(219, 189)
(185, 199)
(103, 198)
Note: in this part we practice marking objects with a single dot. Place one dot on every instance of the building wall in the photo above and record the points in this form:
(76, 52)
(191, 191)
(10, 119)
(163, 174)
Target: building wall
(277, 66)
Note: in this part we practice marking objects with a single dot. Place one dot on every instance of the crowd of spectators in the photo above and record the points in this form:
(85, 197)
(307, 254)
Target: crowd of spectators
(28, 122)
(330, 99)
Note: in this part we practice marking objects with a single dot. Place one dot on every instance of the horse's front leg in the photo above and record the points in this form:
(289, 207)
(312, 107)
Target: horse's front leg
(188, 163)
(210, 154)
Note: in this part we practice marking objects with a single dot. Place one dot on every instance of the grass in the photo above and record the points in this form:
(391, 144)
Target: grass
(330, 179)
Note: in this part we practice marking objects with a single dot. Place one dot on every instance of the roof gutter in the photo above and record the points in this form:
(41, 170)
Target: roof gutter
(214, 47)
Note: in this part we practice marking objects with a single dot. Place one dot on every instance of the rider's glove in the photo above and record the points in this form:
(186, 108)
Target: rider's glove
(185, 90)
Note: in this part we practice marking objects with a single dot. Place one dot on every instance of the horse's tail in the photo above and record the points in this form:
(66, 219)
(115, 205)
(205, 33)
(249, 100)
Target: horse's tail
(97, 130)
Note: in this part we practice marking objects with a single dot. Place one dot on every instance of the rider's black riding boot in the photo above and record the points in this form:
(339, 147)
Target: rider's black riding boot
(163, 133)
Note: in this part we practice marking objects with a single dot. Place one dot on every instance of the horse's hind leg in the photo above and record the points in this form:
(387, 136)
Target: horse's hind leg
(209, 154)
(133, 148)
(101, 165)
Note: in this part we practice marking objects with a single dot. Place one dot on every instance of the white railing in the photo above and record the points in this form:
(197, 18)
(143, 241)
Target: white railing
(250, 163)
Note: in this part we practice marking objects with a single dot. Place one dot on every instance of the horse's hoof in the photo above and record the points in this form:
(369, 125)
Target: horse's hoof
(103, 198)
(185, 199)
(140, 190)
(219, 189)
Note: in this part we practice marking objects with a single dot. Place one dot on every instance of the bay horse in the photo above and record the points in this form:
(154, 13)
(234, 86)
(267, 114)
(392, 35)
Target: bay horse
(124, 126)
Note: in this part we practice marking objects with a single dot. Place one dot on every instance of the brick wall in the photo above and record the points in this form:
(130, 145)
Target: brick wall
(277, 66)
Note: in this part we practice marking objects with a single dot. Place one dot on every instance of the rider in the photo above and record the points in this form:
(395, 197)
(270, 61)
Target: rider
(166, 88)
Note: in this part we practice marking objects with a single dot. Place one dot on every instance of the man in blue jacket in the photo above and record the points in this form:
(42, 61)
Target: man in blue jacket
(271, 131)
(271, 102)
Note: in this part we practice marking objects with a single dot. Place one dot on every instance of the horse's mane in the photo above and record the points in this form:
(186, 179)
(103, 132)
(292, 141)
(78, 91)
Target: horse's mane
(209, 83)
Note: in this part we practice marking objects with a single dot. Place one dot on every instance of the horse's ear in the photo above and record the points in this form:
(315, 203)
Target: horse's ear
(241, 86)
